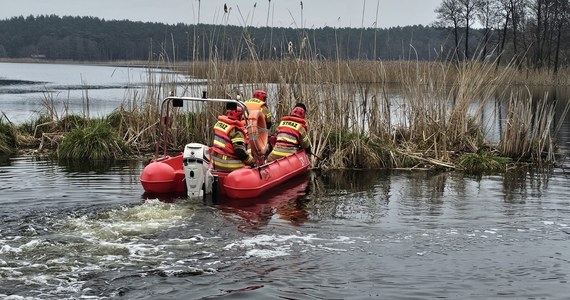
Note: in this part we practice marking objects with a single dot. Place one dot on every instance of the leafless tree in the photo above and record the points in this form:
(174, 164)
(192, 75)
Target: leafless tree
(449, 15)
(467, 12)
(517, 13)
(488, 13)
(562, 24)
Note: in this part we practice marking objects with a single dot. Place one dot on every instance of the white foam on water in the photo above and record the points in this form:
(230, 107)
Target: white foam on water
(322, 247)
(213, 263)
(265, 253)
(94, 242)
(150, 217)
(9, 249)
(15, 297)
(268, 246)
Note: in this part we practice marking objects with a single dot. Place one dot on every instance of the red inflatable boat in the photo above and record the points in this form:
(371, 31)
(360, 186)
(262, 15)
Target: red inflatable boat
(164, 175)
(167, 175)
(252, 182)
(191, 171)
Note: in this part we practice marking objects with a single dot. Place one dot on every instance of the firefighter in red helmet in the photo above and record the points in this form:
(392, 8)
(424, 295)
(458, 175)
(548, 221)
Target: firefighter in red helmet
(291, 134)
(230, 141)
(259, 102)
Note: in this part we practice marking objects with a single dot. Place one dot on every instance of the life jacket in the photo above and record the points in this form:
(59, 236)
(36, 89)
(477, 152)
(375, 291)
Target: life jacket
(288, 131)
(254, 104)
(222, 141)
(257, 133)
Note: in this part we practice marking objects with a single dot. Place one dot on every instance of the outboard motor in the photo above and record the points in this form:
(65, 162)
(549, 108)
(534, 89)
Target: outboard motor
(196, 160)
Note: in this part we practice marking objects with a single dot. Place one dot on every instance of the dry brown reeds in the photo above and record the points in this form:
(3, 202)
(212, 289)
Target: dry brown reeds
(361, 114)
(530, 132)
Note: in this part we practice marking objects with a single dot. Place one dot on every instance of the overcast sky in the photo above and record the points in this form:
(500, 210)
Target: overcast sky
(277, 13)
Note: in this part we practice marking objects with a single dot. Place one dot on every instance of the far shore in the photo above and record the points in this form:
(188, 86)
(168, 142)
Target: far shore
(118, 63)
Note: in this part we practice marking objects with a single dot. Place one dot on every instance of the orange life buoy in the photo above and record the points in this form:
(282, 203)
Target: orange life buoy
(257, 133)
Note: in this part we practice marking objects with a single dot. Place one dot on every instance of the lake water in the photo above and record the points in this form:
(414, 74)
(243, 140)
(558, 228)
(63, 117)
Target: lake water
(83, 231)
(96, 90)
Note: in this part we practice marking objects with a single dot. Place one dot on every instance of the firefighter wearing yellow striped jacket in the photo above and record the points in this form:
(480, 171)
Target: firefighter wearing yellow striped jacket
(230, 141)
(291, 134)
(259, 102)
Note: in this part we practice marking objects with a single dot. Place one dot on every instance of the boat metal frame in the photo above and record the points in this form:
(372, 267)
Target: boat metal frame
(174, 101)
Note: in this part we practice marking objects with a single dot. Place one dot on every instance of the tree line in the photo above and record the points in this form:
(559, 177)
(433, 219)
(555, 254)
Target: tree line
(533, 33)
(91, 38)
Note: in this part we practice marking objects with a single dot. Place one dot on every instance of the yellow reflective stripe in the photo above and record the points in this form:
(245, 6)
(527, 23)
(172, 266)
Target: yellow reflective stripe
(282, 138)
(229, 165)
(238, 139)
(266, 111)
(219, 144)
(281, 153)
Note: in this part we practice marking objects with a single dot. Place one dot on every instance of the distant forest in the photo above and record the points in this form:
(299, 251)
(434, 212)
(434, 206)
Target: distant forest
(90, 38)
(533, 36)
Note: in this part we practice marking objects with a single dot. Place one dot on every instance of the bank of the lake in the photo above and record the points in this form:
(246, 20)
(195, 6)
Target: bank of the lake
(359, 125)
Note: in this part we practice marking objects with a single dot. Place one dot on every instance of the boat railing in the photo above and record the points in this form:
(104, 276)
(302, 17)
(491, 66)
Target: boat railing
(175, 101)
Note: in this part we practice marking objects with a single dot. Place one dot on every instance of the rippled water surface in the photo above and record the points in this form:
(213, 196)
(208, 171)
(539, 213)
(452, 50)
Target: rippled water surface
(71, 232)
(83, 231)
(27, 89)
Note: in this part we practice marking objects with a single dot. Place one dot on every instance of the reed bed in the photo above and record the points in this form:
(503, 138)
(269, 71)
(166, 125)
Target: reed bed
(530, 132)
(7, 138)
(438, 118)
(361, 114)
(357, 123)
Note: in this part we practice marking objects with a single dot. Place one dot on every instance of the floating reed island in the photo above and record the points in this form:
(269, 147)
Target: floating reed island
(471, 116)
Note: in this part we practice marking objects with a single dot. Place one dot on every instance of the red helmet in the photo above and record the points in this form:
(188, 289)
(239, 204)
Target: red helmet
(260, 94)
(299, 111)
(235, 114)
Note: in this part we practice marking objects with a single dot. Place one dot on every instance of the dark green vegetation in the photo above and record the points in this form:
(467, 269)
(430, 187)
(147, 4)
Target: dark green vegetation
(534, 34)
(95, 141)
(70, 138)
(7, 138)
(484, 162)
(94, 39)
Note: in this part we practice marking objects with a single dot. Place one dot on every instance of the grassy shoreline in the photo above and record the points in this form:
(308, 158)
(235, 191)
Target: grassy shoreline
(437, 125)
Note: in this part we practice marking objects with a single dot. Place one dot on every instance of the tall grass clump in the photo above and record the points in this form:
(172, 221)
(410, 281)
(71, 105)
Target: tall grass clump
(357, 151)
(42, 123)
(95, 141)
(361, 114)
(138, 120)
(443, 119)
(427, 113)
(483, 162)
(45, 132)
(143, 128)
(530, 131)
(7, 138)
